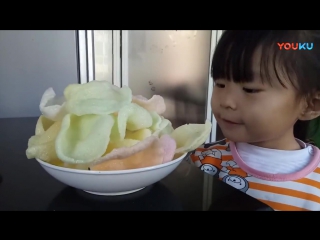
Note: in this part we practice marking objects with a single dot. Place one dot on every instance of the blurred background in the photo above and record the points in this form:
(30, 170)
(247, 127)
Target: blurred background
(171, 63)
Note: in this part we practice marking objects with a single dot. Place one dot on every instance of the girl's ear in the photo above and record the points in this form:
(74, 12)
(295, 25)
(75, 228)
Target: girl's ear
(312, 108)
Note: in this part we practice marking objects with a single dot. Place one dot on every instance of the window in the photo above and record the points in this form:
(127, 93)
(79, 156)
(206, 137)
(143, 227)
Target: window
(172, 63)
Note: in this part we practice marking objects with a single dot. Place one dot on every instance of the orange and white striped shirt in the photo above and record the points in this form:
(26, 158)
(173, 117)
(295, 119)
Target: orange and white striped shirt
(298, 190)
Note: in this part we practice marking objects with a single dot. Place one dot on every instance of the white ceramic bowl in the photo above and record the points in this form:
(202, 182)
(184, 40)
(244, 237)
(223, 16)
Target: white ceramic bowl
(111, 182)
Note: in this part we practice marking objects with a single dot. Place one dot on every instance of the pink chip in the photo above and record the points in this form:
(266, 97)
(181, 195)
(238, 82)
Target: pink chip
(154, 104)
(169, 145)
(149, 152)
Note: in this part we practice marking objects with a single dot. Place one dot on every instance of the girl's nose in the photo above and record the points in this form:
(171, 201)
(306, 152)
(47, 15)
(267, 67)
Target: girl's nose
(228, 101)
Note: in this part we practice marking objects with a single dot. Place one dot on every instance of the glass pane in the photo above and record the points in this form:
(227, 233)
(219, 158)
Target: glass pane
(174, 64)
(103, 55)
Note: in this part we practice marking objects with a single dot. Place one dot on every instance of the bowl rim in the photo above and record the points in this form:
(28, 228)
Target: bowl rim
(136, 170)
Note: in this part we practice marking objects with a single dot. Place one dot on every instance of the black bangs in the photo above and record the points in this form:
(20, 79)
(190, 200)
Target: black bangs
(233, 58)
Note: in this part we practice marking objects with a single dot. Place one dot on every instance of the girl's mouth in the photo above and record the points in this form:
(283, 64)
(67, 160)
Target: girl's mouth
(229, 122)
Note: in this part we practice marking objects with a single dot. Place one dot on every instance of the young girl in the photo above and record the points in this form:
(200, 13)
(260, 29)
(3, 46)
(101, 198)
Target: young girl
(267, 89)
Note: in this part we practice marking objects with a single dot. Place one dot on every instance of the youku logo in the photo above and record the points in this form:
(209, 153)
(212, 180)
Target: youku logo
(295, 46)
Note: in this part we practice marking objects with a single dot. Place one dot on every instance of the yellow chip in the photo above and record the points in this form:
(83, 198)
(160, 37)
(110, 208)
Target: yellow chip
(120, 144)
(190, 136)
(43, 124)
(156, 121)
(96, 97)
(165, 127)
(139, 134)
(83, 138)
(42, 145)
(133, 117)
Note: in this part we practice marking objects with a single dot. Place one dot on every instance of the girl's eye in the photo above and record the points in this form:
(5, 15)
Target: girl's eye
(219, 85)
(248, 90)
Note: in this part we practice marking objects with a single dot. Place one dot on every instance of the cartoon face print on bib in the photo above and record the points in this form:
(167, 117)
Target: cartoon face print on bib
(237, 182)
(217, 160)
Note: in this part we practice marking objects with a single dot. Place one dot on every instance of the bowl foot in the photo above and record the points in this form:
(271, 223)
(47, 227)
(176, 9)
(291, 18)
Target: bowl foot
(115, 193)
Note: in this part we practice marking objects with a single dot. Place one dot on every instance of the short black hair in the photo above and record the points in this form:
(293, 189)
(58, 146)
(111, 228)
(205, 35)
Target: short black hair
(233, 58)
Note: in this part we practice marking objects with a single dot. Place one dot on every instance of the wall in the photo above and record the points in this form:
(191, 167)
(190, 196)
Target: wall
(31, 62)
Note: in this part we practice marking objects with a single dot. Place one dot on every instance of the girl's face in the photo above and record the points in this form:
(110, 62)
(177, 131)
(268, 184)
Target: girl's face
(257, 113)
